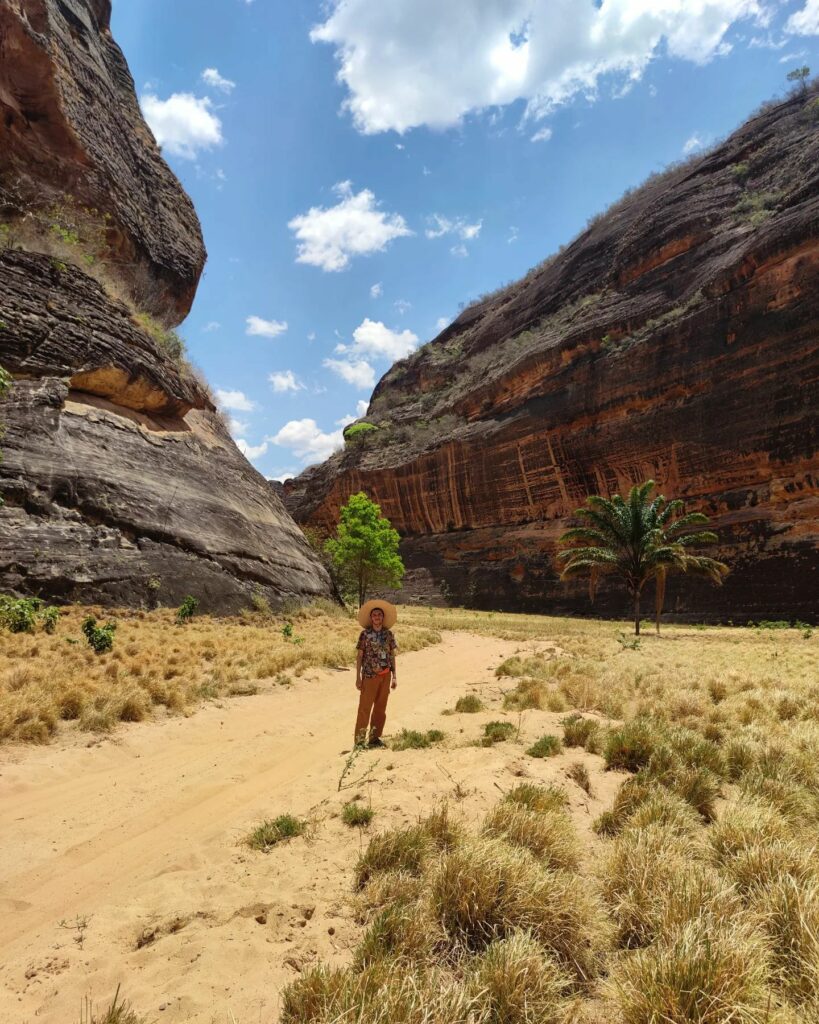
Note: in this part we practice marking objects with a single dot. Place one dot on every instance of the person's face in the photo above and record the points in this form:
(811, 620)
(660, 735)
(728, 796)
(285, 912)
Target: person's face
(377, 618)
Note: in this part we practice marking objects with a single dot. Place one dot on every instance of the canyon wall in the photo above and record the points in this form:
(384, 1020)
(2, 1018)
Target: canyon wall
(675, 339)
(121, 482)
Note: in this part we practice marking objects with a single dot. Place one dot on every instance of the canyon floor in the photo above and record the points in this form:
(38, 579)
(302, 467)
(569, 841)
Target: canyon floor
(136, 840)
(123, 861)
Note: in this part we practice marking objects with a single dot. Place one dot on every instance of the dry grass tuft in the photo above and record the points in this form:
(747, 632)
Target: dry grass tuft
(549, 835)
(516, 981)
(485, 890)
(707, 971)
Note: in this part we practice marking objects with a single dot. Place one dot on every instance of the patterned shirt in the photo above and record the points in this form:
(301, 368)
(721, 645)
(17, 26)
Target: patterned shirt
(379, 647)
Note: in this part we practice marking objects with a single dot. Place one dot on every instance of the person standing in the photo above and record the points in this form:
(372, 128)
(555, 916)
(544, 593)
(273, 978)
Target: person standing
(375, 671)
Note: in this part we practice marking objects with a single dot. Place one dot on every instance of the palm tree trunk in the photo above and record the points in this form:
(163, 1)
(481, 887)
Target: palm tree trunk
(660, 599)
(637, 613)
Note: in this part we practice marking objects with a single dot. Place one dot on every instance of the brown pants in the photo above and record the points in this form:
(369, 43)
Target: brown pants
(372, 700)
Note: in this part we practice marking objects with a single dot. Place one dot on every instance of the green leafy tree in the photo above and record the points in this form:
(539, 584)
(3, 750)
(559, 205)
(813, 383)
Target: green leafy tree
(638, 540)
(800, 76)
(364, 551)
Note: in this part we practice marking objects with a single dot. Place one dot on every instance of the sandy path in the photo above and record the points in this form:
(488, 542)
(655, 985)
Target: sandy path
(138, 837)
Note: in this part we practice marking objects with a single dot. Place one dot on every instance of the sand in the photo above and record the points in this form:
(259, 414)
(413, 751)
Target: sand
(122, 861)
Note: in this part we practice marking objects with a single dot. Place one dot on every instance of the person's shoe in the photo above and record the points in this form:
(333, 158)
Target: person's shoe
(377, 742)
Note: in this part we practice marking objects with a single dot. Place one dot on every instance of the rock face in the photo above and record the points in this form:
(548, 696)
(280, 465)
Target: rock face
(118, 474)
(675, 339)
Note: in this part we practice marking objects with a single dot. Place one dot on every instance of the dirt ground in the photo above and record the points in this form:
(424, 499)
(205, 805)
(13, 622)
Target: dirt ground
(122, 860)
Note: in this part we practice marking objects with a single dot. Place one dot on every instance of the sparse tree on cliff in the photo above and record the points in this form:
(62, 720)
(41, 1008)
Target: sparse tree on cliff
(638, 540)
(800, 76)
(364, 551)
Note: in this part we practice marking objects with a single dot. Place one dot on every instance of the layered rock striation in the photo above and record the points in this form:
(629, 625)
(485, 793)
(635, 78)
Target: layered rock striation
(675, 339)
(121, 482)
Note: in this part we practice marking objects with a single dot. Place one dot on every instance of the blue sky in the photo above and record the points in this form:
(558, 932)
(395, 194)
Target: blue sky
(361, 168)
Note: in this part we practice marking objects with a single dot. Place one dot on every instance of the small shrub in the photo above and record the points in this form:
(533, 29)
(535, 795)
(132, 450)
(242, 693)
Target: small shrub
(260, 604)
(546, 746)
(100, 638)
(19, 615)
(50, 617)
(271, 832)
(356, 815)
(469, 704)
(186, 610)
(357, 432)
(496, 732)
(410, 739)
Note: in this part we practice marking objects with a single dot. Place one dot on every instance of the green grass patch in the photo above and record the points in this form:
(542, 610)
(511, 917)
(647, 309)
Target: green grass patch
(410, 739)
(273, 831)
(468, 705)
(546, 746)
(356, 815)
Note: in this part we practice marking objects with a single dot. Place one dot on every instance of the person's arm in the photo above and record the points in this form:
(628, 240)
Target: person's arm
(358, 660)
(393, 651)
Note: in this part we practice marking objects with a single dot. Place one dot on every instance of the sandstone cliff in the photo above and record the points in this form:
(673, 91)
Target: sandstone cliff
(117, 470)
(676, 338)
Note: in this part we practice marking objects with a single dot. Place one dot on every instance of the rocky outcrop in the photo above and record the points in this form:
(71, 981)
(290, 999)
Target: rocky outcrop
(675, 339)
(71, 132)
(121, 482)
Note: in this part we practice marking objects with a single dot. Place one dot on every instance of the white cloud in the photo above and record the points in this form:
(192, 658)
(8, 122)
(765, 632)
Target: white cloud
(251, 451)
(459, 250)
(806, 21)
(373, 338)
(236, 401)
(376, 291)
(311, 336)
(285, 380)
(211, 326)
(692, 144)
(183, 124)
(402, 306)
(513, 235)
(211, 77)
(307, 442)
(287, 474)
(543, 135)
(441, 323)
(358, 372)
(407, 63)
(345, 421)
(446, 226)
(361, 407)
(329, 238)
(258, 327)
(238, 427)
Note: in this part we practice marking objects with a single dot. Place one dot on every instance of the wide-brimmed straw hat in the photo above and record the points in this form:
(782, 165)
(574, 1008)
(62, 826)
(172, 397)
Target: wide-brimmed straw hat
(389, 610)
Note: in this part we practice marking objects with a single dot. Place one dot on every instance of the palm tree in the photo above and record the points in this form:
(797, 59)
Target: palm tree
(638, 540)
